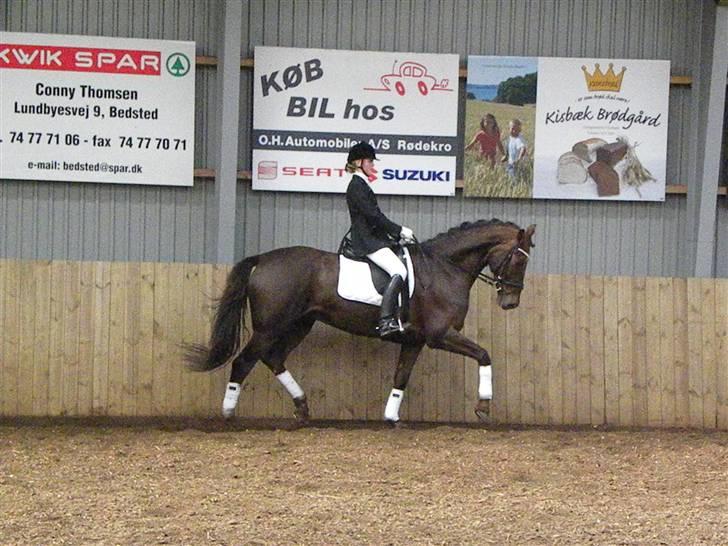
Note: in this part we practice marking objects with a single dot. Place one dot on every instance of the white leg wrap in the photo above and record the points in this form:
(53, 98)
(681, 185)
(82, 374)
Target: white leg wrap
(391, 410)
(232, 393)
(485, 387)
(290, 384)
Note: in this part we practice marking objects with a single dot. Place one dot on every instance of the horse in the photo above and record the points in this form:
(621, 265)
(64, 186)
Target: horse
(289, 289)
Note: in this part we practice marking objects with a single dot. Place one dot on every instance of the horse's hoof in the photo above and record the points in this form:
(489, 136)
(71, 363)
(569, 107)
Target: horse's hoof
(301, 412)
(482, 410)
(395, 424)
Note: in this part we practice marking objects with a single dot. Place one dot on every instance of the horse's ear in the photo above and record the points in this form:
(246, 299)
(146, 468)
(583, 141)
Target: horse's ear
(530, 231)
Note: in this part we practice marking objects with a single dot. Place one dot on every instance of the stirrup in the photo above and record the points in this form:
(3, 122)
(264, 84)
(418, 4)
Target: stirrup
(389, 326)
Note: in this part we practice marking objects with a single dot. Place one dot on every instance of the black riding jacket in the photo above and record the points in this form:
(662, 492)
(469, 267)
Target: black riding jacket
(370, 228)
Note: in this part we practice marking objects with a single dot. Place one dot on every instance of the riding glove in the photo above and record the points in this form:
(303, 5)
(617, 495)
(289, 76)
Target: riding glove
(407, 235)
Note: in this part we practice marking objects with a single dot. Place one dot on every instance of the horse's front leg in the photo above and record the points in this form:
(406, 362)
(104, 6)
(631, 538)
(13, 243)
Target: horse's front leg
(407, 357)
(455, 342)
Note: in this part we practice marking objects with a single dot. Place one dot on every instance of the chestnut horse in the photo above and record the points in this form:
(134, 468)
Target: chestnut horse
(289, 289)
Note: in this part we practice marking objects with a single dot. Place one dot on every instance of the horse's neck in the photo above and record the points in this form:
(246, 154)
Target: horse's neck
(468, 252)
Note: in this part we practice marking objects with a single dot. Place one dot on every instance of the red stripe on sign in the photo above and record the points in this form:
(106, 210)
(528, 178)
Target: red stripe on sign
(80, 59)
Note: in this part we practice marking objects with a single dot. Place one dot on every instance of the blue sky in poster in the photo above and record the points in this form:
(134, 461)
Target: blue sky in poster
(494, 70)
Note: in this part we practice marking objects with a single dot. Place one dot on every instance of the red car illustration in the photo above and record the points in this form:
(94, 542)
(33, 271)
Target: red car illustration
(408, 75)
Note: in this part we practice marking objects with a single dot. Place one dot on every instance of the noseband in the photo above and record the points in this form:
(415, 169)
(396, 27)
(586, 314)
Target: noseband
(498, 281)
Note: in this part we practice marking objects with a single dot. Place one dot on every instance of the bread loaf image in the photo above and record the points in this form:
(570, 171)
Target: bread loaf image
(611, 153)
(606, 178)
(587, 149)
(570, 169)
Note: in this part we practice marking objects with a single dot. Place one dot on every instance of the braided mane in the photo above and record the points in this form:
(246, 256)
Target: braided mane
(464, 227)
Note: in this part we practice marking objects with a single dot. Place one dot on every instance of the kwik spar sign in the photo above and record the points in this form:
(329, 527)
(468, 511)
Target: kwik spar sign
(312, 105)
(96, 109)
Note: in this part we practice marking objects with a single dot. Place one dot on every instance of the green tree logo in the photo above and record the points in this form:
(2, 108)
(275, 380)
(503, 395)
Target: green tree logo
(178, 64)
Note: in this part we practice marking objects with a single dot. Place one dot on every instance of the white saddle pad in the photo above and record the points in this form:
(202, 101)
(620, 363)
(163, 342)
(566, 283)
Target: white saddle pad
(355, 280)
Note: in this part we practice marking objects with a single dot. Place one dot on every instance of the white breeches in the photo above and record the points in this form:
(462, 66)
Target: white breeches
(387, 260)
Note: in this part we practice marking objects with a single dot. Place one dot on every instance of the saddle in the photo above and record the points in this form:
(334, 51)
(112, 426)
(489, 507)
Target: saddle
(362, 280)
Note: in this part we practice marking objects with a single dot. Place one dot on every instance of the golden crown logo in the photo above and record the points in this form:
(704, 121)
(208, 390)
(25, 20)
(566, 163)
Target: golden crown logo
(603, 81)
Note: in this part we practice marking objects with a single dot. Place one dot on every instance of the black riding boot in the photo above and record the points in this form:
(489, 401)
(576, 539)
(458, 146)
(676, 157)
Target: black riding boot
(389, 322)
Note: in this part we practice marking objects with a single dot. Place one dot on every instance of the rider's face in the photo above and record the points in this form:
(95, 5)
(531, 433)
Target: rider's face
(367, 166)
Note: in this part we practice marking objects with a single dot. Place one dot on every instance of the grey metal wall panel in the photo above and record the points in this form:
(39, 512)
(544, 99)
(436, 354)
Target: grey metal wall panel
(572, 237)
(43, 220)
(94, 221)
(721, 255)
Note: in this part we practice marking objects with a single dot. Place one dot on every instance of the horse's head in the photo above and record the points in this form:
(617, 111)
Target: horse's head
(508, 261)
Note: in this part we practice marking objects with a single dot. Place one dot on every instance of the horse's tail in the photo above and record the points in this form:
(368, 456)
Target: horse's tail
(229, 319)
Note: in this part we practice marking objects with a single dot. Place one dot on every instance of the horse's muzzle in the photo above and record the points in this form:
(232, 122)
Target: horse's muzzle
(508, 301)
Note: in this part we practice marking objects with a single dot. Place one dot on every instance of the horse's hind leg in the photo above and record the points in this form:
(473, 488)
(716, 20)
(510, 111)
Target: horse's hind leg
(276, 357)
(256, 347)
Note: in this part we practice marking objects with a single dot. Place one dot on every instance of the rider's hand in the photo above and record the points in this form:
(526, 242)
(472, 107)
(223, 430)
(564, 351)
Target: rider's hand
(407, 235)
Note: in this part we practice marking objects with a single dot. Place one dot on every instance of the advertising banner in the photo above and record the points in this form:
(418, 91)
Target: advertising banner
(312, 105)
(566, 128)
(96, 109)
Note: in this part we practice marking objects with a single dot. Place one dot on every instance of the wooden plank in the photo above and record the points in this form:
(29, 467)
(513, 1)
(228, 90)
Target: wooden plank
(513, 370)
(667, 354)
(145, 353)
(25, 340)
(102, 332)
(443, 386)
(56, 361)
(568, 348)
(639, 348)
(4, 267)
(710, 368)
(201, 324)
(680, 349)
(525, 316)
(553, 351)
(625, 310)
(695, 352)
(41, 347)
(87, 326)
(11, 337)
(130, 333)
(540, 350)
(175, 332)
(345, 372)
(583, 352)
(190, 316)
(429, 384)
(654, 389)
(721, 352)
(160, 350)
(333, 372)
(117, 321)
(611, 351)
(359, 372)
(596, 350)
(71, 330)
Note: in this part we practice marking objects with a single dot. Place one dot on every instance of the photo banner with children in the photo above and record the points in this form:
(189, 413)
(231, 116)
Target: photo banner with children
(565, 128)
(312, 105)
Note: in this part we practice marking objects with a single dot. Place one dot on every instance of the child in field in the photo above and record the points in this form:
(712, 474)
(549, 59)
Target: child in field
(517, 150)
(489, 138)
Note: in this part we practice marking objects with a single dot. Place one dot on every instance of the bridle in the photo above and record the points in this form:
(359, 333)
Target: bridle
(497, 280)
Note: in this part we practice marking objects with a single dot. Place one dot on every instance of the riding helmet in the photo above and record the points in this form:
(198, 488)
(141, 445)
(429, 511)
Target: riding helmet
(361, 150)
